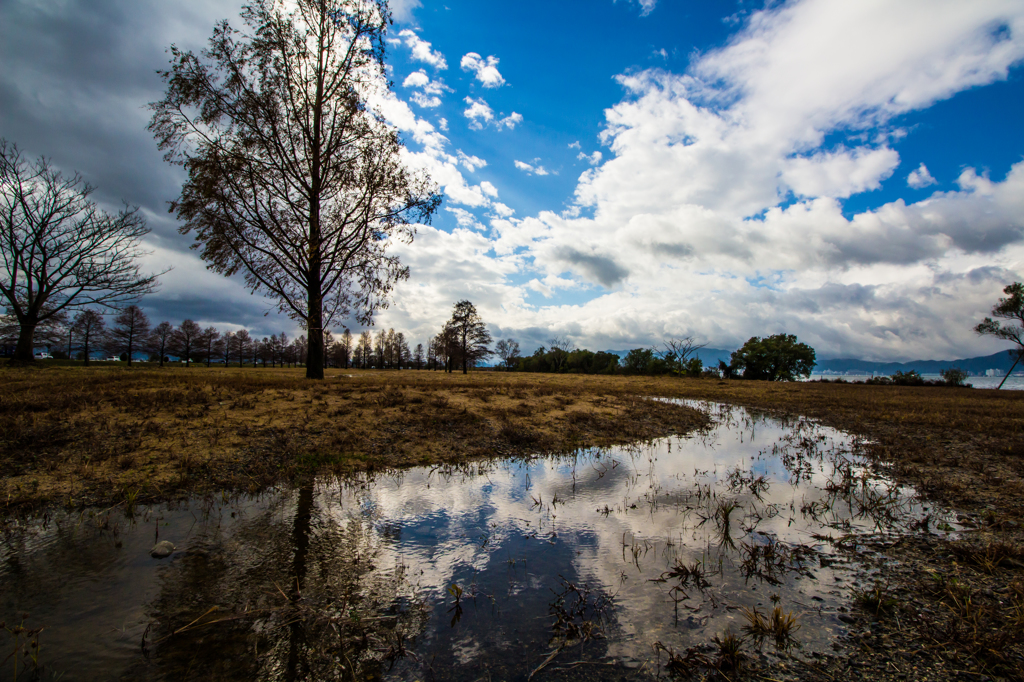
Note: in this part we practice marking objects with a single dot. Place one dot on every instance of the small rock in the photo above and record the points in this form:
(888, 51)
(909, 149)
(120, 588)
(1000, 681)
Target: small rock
(162, 550)
(847, 618)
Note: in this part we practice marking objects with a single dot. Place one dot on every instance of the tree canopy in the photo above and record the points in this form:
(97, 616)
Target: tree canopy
(774, 358)
(294, 179)
(59, 251)
(470, 334)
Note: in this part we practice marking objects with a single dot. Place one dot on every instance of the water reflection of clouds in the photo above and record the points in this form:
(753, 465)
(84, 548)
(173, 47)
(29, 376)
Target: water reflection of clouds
(627, 514)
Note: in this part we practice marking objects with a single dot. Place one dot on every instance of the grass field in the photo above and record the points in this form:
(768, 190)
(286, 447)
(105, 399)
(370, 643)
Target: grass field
(113, 436)
(101, 434)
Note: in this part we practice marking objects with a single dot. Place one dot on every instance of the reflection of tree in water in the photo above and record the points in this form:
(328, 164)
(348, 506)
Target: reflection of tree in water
(287, 595)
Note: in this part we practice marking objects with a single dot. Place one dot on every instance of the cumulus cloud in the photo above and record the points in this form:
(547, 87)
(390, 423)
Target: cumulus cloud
(485, 70)
(465, 218)
(920, 177)
(510, 121)
(531, 169)
(428, 92)
(422, 50)
(470, 163)
(719, 185)
(478, 112)
(592, 159)
(416, 79)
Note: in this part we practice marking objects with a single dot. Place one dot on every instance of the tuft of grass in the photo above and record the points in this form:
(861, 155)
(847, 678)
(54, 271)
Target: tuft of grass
(777, 625)
(730, 652)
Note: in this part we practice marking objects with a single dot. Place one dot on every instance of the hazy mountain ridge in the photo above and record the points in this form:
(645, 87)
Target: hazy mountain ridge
(978, 365)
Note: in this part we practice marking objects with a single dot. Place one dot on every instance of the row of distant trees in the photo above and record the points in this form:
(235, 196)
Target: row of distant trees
(773, 358)
(130, 333)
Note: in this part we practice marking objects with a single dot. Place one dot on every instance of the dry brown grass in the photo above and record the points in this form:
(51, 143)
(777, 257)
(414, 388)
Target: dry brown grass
(86, 436)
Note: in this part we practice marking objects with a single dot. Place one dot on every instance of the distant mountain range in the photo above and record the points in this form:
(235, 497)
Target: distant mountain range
(1000, 361)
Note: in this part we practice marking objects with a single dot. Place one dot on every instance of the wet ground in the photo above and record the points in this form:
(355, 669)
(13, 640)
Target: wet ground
(606, 564)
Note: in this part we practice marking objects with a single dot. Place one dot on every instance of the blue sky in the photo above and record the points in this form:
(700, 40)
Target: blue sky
(622, 172)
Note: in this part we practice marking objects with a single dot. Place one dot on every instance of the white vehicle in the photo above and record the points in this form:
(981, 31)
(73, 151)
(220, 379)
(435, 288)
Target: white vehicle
(44, 356)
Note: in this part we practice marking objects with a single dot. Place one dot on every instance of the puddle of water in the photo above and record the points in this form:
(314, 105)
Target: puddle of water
(465, 573)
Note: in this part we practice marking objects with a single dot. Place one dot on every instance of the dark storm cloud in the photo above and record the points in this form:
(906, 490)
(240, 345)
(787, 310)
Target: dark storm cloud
(77, 78)
(600, 268)
(218, 312)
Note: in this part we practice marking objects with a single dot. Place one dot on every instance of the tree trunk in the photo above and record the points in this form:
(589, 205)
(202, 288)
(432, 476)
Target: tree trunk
(24, 352)
(300, 540)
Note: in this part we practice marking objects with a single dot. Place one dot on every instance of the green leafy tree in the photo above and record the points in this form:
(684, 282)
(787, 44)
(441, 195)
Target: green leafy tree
(638, 360)
(1009, 308)
(774, 358)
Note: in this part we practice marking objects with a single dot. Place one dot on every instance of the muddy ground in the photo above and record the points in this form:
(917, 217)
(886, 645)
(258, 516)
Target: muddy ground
(927, 609)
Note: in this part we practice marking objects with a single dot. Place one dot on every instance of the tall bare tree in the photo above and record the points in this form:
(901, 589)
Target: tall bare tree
(293, 177)
(678, 351)
(345, 348)
(90, 329)
(244, 345)
(508, 351)
(210, 345)
(185, 340)
(159, 340)
(59, 251)
(131, 326)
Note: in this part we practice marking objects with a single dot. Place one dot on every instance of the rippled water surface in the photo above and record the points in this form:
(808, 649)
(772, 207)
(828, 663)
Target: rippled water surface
(577, 567)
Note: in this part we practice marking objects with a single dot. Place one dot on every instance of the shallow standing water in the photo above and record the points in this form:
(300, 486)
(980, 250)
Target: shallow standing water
(576, 565)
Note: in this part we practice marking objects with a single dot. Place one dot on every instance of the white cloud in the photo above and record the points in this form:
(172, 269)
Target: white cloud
(592, 159)
(839, 173)
(428, 94)
(479, 113)
(416, 79)
(486, 70)
(402, 9)
(442, 123)
(501, 210)
(531, 169)
(574, 145)
(718, 184)
(434, 158)
(509, 121)
(421, 50)
(920, 177)
(471, 163)
(425, 101)
(465, 218)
